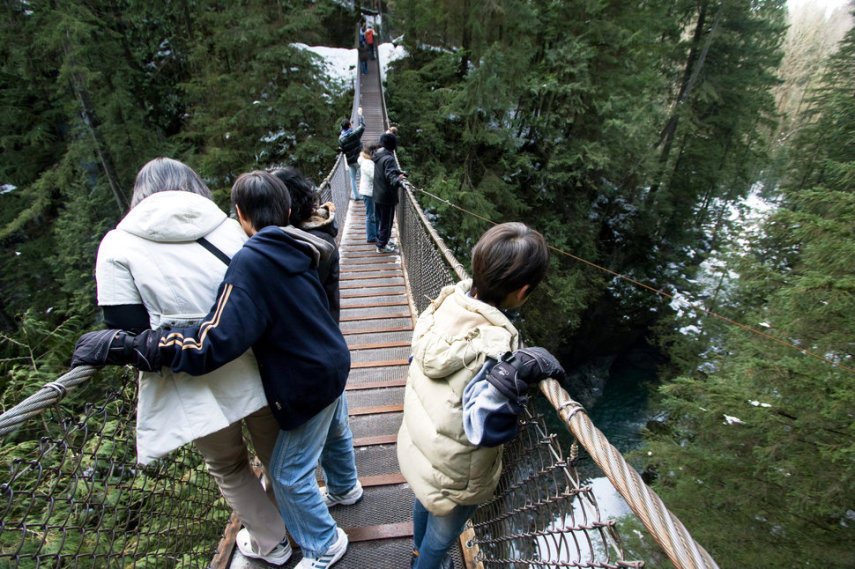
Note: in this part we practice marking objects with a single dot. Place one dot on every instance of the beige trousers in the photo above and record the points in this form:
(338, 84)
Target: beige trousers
(227, 457)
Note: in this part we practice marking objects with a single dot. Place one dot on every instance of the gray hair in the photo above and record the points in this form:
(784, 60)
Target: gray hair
(165, 174)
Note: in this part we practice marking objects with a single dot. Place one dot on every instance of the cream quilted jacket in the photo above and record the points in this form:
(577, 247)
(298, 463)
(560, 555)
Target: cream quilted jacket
(452, 339)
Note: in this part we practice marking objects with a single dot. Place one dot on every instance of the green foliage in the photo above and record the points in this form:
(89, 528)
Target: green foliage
(556, 114)
(764, 444)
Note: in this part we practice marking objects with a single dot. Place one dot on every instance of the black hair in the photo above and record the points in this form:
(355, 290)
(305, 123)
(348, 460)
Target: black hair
(262, 198)
(345, 124)
(506, 258)
(389, 141)
(304, 198)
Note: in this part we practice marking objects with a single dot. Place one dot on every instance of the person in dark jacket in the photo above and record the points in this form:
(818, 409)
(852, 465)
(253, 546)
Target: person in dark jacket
(317, 219)
(350, 143)
(387, 181)
(271, 300)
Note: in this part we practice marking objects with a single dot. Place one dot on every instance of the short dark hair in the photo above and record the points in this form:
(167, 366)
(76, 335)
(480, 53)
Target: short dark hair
(506, 258)
(345, 124)
(304, 198)
(389, 141)
(262, 198)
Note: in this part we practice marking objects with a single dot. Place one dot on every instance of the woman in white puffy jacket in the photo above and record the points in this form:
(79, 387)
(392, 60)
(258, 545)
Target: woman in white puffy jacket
(161, 267)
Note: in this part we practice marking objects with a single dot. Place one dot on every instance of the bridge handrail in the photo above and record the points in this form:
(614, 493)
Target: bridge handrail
(664, 526)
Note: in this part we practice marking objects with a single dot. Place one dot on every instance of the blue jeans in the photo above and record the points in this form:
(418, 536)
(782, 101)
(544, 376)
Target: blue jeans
(434, 535)
(370, 219)
(325, 437)
(354, 168)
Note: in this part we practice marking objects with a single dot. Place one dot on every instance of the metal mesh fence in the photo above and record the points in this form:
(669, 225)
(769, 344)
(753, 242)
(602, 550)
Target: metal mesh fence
(428, 263)
(542, 515)
(74, 497)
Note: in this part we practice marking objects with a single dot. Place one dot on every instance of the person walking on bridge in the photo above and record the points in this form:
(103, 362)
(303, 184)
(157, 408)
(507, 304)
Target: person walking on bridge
(350, 143)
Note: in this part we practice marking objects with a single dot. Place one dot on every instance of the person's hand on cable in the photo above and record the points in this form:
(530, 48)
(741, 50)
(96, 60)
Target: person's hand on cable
(118, 347)
(517, 371)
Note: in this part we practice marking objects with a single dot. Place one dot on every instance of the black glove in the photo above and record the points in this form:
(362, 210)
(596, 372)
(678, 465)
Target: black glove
(118, 347)
(516, 372)
(536, 364)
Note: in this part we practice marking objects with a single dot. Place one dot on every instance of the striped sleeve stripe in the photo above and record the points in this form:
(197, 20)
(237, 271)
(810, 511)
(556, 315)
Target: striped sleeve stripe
(191, 343)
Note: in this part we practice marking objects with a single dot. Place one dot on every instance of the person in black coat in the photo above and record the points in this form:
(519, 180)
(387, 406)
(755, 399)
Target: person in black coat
(387, 182)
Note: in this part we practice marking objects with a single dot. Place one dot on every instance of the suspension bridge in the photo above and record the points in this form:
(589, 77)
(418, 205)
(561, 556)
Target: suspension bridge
(75, 496)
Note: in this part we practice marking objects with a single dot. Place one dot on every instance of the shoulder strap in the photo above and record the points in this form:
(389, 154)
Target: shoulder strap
(214, 251)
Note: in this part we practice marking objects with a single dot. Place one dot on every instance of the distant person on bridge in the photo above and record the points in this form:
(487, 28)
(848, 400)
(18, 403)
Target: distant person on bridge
(363, 59)
(466, 385)
(366, 190)
(271, 300)
(369, 41)
(387, 182)
(350, 143)
(152, 272)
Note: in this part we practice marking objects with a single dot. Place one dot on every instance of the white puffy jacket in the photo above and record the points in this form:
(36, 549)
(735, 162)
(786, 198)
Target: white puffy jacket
(152, 258)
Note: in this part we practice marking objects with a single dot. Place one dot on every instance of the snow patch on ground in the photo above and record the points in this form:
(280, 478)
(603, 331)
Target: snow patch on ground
(341, 63)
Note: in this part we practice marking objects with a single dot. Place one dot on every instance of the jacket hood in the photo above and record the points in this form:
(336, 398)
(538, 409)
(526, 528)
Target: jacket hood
(323, 219)
(173, 217)
(301, 252)
(379, 153)
(445, 341)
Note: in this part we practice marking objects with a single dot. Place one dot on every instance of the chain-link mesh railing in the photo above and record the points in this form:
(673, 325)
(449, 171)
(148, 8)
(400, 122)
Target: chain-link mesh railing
(72, 495)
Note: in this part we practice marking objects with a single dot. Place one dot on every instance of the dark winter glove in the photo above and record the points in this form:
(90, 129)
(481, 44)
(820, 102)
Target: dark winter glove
(118, 347)
(536, 364)
(516, 372)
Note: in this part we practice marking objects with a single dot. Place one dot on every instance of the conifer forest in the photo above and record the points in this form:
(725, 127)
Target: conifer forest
(703, 149)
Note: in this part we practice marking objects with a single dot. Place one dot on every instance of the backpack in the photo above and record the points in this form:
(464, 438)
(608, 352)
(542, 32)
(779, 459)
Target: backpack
(369, 36)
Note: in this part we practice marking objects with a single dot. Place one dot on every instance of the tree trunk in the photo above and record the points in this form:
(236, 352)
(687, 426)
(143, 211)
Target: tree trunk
(690, 78)
(91, 120)
(466, 41)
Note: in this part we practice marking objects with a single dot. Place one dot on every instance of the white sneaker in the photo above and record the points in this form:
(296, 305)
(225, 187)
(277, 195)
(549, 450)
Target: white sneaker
(280, 554)
(333, 554)
(349, 498)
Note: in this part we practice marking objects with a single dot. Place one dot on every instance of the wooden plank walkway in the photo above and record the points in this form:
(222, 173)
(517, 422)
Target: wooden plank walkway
(377, 322)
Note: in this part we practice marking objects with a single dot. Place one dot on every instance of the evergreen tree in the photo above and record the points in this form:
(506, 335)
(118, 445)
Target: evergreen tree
(764, 444)
(559, 115)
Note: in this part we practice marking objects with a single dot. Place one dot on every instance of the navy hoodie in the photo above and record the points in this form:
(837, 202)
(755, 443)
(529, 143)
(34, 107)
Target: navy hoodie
(271, 300)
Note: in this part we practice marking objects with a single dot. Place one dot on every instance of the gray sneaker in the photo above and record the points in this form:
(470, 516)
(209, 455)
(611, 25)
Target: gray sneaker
(349, 498)
(386, 249)
(330, 556)
(280, 554)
